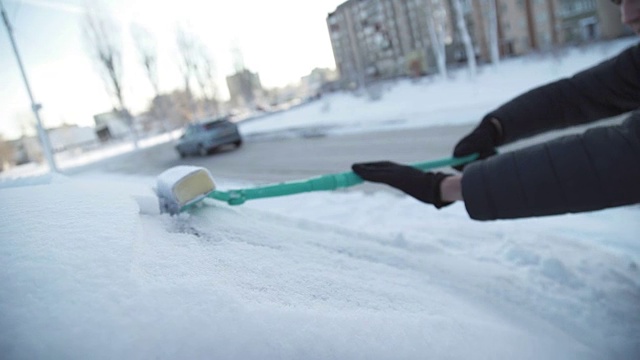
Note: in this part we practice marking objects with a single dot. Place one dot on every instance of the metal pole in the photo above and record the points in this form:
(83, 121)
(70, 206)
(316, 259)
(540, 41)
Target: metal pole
(35, 107)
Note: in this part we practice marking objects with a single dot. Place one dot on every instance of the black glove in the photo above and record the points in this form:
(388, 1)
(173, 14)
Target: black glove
(482, 140)
(422, 186)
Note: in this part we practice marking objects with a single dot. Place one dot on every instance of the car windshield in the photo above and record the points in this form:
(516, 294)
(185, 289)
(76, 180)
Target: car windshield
(213, 124)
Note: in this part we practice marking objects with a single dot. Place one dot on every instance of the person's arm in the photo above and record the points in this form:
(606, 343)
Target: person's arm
(595, 170)
(607, 89)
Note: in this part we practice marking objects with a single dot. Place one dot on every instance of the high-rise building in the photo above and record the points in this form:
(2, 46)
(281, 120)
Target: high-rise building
(244, 88)
(379, 39)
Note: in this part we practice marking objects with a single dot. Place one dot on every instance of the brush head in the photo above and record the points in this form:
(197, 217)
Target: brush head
(180, 186)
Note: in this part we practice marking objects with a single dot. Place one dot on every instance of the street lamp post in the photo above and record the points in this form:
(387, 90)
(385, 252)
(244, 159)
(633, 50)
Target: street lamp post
(35, 107)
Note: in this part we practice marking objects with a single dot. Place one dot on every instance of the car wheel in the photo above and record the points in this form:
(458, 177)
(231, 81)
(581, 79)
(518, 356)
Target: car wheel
(182, 155)
(238, 143)
(202, 150)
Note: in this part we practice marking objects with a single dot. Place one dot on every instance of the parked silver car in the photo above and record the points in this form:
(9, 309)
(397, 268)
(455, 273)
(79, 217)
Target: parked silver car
(203, 137)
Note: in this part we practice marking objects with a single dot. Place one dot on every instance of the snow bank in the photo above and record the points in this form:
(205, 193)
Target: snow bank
(433, 101)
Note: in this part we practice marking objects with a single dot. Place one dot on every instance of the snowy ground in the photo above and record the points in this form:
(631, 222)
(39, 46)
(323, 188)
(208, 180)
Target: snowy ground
(315, 276)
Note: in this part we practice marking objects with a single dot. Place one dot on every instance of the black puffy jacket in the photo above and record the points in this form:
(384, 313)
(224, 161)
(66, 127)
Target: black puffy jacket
(594, 170)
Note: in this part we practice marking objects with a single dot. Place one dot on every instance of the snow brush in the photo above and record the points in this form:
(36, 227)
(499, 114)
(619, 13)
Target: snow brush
(180, 187)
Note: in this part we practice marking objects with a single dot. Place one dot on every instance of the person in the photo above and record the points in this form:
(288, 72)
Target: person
(597, 169)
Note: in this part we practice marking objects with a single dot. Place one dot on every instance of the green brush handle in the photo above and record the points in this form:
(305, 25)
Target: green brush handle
(324, 182)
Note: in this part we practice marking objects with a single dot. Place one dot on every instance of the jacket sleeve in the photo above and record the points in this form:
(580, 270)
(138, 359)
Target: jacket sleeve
(607, 89)
(594, 170)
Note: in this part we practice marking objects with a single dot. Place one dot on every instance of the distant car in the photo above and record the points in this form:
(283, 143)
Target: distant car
(203, 137)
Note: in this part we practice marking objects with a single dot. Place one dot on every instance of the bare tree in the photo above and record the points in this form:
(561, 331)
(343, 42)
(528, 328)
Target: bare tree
(205, 76)
(437, 26)
(461, 24)
(197, 64)
(101, 34)
(187, 56)
(491, 28)
(145, 44)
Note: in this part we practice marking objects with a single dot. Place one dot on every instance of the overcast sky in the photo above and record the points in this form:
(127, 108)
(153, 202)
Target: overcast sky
(282, 40)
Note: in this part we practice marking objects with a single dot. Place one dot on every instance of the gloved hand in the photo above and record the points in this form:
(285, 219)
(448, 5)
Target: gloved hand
(482, 140)
(422, 186)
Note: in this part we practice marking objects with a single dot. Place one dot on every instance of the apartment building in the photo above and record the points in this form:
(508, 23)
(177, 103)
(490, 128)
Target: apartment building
(364, 40)
(245, 88)
(379, 39)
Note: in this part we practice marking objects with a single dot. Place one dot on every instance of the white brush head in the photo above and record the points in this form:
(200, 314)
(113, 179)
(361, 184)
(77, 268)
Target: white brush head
(183, 185)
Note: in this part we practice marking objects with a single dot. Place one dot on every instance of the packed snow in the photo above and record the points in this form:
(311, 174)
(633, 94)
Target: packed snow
(432, 101)
(345, 275)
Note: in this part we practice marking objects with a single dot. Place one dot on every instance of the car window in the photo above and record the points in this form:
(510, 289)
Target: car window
(190, 131)
(214, 124)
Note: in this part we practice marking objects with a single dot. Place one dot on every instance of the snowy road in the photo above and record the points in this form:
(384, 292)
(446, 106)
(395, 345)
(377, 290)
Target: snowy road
(283, 156)
(277, 159)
